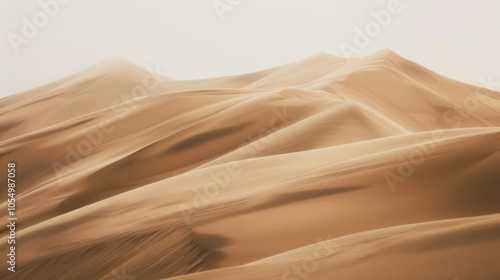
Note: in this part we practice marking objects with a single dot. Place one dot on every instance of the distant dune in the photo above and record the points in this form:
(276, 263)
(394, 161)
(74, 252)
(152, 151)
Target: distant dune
(326, 168)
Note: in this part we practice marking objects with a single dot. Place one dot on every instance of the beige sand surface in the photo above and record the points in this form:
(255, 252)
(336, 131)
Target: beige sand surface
(278, 174)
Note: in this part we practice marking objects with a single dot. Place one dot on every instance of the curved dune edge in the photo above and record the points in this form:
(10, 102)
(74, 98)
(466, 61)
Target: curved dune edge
(126, 173)
(170, 250)
(432, 250)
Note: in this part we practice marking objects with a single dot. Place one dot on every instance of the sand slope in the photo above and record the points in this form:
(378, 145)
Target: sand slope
(389, 167)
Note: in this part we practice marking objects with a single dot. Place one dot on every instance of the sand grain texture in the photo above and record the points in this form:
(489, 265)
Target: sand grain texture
(278, 174)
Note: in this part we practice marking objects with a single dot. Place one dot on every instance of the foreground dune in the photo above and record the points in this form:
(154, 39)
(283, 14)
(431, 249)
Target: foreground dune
(432, 250)
(388, 167)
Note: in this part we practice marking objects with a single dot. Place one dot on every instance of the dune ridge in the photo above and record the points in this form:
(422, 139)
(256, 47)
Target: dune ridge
(127, 173)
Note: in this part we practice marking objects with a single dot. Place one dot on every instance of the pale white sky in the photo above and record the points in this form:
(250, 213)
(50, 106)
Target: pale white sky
(191, 39)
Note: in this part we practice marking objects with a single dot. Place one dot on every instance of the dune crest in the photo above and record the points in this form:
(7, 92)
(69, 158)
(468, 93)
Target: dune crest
(326, 168)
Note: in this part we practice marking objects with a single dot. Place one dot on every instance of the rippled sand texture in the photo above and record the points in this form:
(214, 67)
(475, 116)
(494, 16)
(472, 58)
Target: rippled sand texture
(327, 168)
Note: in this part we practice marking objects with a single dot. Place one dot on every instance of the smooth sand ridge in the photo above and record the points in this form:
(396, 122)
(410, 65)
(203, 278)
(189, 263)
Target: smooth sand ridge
(338, 198)
(341, 117)
(131, 171)
(404, 252)
(330, 184)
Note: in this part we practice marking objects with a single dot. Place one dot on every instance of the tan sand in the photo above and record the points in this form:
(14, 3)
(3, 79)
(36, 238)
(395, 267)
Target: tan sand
(278, 174)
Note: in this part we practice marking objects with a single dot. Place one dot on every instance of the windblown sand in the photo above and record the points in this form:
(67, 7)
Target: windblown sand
(327, 168)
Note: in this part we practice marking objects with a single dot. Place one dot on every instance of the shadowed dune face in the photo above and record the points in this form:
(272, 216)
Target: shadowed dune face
(371, 168)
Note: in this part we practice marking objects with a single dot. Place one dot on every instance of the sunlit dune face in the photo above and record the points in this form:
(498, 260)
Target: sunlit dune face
(303, 171)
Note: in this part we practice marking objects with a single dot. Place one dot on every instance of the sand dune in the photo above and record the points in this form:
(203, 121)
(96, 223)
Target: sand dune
(326, 168)
(432, 250)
